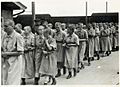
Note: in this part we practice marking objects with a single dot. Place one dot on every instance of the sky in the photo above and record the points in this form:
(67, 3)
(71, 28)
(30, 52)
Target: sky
(70, 7)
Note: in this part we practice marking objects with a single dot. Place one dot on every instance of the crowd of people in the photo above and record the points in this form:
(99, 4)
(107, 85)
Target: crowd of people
(53, 50)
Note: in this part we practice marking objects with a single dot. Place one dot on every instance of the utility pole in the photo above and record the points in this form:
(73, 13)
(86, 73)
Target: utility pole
(33, 15)
(106, 6)
(86, 13)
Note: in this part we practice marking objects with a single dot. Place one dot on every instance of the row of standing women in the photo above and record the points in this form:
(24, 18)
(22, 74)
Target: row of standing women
(49, 50)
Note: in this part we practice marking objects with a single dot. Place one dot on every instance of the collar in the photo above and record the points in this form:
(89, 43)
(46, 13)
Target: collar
(11, 35)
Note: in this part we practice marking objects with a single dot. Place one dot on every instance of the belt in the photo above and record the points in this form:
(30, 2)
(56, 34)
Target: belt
(59, 41)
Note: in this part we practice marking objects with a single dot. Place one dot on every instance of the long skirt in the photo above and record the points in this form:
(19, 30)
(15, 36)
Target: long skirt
(71, 57)
(59, 55)
(28, 70)
(38, 58)
(48, 65)
(111, 41)
(97, 44)
(115, 41)
(14, 70)
(109, 44)
(91, 47)
(4, 71)
(104, 44)
(81, 51)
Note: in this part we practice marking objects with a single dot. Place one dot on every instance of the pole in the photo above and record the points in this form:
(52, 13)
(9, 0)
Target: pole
(106, 6)
(86, 14)
(33, 15)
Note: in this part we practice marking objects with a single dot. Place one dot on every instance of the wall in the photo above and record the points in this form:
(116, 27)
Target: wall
(7, 14)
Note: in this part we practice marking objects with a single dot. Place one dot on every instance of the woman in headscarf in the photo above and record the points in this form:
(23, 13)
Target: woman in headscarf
(71, 51)
(49, 62)
(28, 57)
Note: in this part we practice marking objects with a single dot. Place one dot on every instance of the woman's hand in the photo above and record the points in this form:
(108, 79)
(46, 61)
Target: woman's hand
(45, 52)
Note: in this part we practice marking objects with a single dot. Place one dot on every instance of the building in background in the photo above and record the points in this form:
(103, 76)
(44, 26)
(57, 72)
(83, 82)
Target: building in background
(8, 7)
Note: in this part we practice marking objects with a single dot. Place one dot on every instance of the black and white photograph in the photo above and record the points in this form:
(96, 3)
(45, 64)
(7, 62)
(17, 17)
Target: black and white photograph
(60, 42)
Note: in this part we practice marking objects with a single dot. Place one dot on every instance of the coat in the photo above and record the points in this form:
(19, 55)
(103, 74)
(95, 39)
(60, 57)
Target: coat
(39, 43)
(91, 34)
(13, 43)
(60, 36)
(82, 44)
(28, 57)
(71, 52)
(49, 61)
(96, 40)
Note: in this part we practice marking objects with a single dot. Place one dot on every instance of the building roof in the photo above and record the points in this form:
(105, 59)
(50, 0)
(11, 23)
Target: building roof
(12, 6)
(105, 14)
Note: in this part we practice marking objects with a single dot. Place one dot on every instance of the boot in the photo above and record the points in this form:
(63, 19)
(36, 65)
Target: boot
(23, 81)
(59, 73)
(92, 59)
(78, 70)
(54, 81)
(85, 58)
(64, 70)
(70, 75)
(82, 66)
(36, 80)
(75, 73)
(107, 53)
(89, 61)
(98, 57)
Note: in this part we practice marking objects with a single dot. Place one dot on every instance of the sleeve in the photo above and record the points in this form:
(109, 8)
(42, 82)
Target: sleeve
(20, 43)
(33, 41)
(93, 32)
(77, 40)
(86, 34)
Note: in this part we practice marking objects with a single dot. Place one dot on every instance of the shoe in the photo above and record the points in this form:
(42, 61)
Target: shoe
(23, 83)
(59, 73)
(75, 72)
(36, 80)
(85, 58)
(98, 57)
(82, 66)
(45, 83)
(78, 70)
(92, 59)
(69, 76)
(54, 81)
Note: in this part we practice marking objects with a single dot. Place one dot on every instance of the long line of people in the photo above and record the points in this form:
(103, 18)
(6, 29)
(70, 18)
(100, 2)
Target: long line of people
(49, 50)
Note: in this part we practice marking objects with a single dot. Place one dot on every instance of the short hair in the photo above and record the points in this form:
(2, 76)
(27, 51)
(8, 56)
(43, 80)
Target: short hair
(10, 22)
(71, 27)
(41, 27)
(28, 27)
(19, 25)
(47, 31)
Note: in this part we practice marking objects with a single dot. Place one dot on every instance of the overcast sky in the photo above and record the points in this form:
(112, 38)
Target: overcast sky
(71, 7)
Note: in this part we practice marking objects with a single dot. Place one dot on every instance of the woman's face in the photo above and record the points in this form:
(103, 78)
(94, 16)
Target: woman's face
(40, 30)
(26, 30)
(8, 28)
